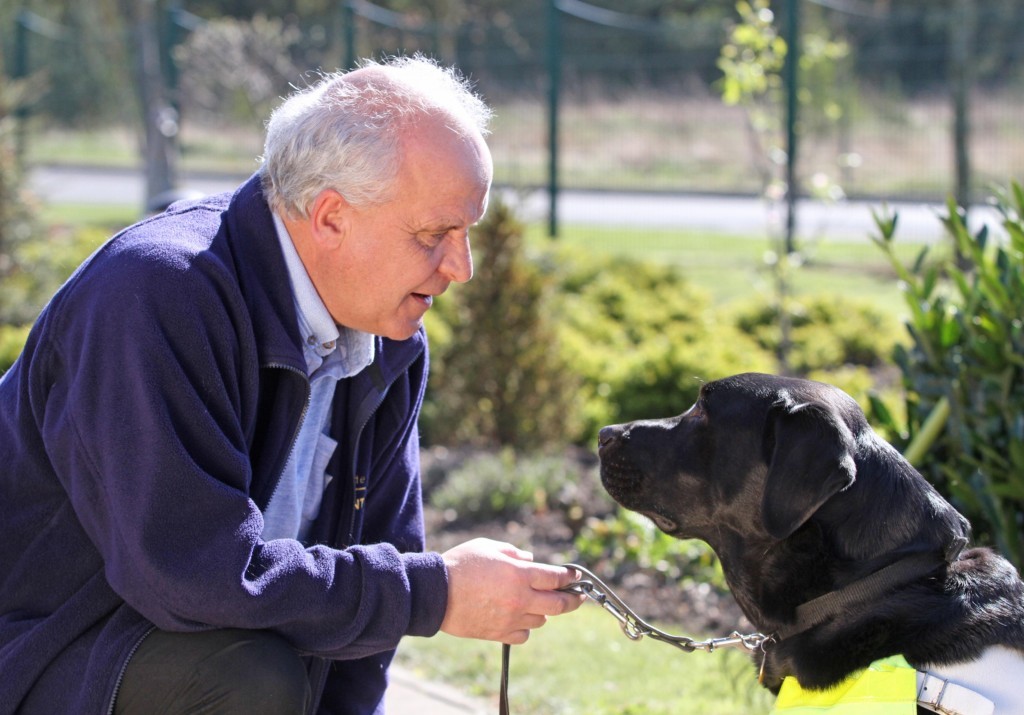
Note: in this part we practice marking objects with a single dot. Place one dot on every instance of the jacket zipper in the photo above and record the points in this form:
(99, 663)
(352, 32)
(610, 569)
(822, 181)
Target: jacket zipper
(124, 668)
(298, 425)
(359, 433)
(355, 461)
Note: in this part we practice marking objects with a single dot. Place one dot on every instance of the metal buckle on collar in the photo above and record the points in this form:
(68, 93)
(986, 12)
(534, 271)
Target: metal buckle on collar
(938, 695)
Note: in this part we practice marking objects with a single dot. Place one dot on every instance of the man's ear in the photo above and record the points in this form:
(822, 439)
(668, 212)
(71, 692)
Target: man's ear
(329, 218)
(810, 458)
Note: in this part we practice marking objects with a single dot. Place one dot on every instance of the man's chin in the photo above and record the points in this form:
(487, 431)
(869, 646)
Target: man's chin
(404, 331)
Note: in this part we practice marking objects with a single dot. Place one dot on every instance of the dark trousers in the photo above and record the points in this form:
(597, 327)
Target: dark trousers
(216, 672)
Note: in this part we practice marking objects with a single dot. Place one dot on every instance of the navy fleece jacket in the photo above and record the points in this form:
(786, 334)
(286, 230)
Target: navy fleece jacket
(143, 429)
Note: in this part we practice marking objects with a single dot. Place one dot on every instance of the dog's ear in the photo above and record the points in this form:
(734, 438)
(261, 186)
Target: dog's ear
(809, 454)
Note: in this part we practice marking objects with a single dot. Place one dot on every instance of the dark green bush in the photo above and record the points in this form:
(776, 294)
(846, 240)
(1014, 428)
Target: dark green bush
(498, 376)
(549, 348)
(966, 359)
(642, 339)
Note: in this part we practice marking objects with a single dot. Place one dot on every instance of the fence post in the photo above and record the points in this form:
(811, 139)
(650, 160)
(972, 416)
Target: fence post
(962, 27)
(792, 110)
(349, 21)
(20, 71)
(554, 82)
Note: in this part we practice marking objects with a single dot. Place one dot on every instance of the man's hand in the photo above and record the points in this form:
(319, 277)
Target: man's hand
(496, 592)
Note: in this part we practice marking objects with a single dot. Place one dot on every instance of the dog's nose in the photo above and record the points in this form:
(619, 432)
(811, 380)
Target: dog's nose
(611, 434)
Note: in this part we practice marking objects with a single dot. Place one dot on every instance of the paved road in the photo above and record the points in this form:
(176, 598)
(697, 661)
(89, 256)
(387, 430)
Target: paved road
(735, 215)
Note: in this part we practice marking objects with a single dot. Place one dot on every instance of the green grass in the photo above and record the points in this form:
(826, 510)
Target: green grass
(111, 147)
(730, 267)
(106, 216)
(727, 267)
(582, 663)
(213, 149)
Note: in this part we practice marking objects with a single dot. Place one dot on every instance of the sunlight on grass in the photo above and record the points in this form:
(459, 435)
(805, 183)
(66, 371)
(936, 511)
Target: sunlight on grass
(108, 216)
(729, 267)
(583, 663)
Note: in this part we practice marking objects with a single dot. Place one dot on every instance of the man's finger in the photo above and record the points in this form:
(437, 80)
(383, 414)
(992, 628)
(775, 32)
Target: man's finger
(545, 577)
(554, 603)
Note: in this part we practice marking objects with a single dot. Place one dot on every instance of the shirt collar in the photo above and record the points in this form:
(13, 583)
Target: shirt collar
(323, 340)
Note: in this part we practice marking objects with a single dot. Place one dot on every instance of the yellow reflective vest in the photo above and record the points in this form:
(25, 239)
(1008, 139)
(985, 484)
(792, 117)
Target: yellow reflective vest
(886, 687)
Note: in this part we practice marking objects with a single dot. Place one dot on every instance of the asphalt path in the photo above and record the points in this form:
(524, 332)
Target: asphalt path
(742, 216)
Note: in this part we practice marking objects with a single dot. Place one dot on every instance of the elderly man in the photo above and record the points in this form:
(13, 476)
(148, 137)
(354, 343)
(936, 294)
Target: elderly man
(209, 499)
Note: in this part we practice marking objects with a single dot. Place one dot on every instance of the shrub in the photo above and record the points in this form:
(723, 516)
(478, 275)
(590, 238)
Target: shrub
(498, 376)
(509, 485)
(548, 348)
(12, 340)
(642, 339)
(967, 358)
(827, 332)
(625, 542)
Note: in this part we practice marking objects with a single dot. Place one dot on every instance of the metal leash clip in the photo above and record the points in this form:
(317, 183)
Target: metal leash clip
(635, 628)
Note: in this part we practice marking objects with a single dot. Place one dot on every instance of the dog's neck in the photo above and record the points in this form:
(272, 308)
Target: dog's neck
(888, 514)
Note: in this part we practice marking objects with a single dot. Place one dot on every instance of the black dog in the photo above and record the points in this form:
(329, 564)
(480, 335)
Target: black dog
(829, 539)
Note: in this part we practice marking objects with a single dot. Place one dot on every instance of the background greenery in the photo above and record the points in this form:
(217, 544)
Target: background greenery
(555, 339)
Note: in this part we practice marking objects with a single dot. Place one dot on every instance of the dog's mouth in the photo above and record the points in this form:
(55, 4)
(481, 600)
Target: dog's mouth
(621, 480)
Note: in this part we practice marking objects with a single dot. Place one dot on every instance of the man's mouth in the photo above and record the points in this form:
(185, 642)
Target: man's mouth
(426, 300)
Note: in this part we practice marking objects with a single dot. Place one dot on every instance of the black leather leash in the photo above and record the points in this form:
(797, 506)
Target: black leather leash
(506, 652)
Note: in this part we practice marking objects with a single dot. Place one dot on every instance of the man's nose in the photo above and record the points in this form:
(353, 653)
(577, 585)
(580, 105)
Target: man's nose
(457, 265)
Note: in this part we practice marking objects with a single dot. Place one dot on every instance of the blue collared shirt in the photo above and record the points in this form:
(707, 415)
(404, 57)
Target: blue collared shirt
(332, 352)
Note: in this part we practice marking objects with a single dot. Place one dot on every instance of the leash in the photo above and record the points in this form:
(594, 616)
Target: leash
(634, 628)
(809, 614)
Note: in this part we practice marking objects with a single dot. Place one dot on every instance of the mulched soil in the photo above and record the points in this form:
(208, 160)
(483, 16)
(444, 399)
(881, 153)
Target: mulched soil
(696, 610)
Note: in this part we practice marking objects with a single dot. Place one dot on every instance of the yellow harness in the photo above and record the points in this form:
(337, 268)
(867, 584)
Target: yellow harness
(886, 687)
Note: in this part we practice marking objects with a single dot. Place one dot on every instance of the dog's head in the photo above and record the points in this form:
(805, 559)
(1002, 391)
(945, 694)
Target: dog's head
(759, 455)
(763, 449)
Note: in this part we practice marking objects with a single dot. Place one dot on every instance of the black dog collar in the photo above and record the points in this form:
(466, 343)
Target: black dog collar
(898, 573)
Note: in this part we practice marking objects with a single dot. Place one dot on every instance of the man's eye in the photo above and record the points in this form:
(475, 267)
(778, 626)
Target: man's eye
(431, 238)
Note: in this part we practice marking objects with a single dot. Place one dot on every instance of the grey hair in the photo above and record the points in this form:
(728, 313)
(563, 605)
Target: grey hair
(344, 134)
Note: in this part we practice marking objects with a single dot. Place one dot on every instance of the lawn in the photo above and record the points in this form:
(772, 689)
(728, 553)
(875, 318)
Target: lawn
(728, 267)
(732, 267)
(582, 663)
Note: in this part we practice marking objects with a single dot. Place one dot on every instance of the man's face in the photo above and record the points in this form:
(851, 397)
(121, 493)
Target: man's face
(396, 257)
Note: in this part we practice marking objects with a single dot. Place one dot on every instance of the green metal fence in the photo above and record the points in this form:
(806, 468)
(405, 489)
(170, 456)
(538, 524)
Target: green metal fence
(926, 101)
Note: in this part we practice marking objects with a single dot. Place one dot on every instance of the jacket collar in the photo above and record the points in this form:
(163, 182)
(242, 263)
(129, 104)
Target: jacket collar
(248, 232)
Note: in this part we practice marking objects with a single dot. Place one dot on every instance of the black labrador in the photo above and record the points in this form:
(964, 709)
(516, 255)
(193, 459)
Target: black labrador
(829, 539)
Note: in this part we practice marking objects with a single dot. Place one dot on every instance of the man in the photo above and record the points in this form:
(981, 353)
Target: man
(209, 498)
